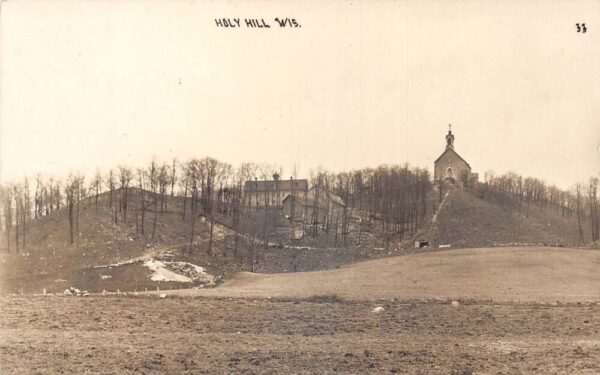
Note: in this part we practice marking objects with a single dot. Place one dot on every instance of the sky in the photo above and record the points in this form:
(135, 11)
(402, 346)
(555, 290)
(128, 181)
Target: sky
(97, 84)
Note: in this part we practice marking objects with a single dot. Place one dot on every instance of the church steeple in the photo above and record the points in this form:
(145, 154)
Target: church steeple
(450, 138)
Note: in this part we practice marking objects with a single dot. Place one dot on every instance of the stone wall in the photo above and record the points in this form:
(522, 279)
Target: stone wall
(450, 165)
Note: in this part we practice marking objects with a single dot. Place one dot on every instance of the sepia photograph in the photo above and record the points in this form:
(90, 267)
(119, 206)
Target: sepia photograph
(299, 187)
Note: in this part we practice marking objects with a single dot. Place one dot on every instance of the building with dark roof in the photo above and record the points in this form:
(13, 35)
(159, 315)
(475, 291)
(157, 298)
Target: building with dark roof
(272, 192)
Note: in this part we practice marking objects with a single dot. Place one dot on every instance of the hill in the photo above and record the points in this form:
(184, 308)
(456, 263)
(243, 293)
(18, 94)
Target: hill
(111, 256)
(469, 221)
(48, 260)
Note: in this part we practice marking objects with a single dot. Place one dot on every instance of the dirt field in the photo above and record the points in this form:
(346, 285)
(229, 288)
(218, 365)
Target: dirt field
(521, 311)
(541, 274)
(114, 335)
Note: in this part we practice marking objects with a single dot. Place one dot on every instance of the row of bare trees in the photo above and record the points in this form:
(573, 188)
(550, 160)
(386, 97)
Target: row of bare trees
(391, 198)
(16, 211)
(394, 196)
(579, 202)
(206, 186)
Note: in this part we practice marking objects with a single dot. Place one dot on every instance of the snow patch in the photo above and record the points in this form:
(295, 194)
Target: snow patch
(125, 262)
(182, 272)
(72, 291)
(219, 232)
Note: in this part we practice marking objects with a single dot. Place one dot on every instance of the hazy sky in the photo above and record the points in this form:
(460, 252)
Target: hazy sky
(361, 83)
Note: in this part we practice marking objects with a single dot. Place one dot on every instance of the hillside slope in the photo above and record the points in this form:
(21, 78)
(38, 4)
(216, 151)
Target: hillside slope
(49, 261)
(115, 256)
(469, 221)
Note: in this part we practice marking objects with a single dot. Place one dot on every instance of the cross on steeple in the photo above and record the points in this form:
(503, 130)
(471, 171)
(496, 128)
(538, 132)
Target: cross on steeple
(449, 127)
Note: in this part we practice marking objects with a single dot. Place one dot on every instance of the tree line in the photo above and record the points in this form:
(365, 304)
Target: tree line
(394, 198)
(391, 196)
(390, 200)
(579, 202)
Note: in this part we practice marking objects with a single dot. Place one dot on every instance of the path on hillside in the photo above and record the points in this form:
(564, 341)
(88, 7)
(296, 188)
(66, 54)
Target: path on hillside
(419, 233)
(437, 212)
(500, 274)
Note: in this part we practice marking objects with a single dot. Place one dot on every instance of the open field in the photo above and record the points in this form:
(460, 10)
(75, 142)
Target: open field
(540, 274)
(148, 335)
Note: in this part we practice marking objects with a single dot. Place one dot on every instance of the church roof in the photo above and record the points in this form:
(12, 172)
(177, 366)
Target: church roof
(455, 153)
(274, 185)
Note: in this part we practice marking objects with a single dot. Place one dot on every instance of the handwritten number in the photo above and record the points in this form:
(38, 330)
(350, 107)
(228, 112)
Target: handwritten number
(581, 28)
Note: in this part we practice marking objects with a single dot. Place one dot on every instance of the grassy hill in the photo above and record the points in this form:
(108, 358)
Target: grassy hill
(469, 221)
(511, 274)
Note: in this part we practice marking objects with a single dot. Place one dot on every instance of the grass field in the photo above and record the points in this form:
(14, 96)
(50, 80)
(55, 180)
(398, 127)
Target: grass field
(512, 274)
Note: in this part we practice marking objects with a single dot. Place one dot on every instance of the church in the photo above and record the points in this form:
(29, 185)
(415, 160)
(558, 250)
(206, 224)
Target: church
(451, 168)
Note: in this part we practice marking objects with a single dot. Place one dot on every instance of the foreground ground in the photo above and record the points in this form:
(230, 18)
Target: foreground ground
(149, 335)
(470, 311)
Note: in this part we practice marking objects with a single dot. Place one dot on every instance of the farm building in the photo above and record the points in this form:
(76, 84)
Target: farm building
(327, 206)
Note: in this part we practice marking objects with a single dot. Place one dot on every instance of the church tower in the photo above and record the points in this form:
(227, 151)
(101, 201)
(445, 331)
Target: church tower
(450, 138)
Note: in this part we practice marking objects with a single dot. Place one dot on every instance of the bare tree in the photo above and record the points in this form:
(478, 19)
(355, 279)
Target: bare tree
(23, 210)
(211, 173)
(184, 182)
(125, 177)
(266, 171)
(111, 187)
(141, 199)
(96, 187)
(192, 168)
(79, 194)
(18, 207)
(152, 179)
(162, 180)
(70, 194)
(173, 175)
(579, 204)
(7, 209)
(593, 208)
(38, 199)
